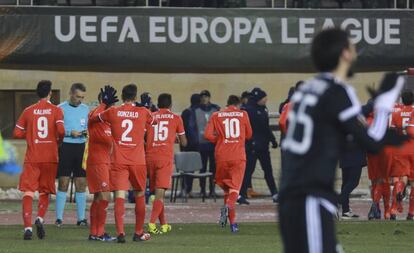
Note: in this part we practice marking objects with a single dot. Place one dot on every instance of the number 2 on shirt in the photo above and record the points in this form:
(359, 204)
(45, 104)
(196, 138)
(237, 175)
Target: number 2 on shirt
(128, 124)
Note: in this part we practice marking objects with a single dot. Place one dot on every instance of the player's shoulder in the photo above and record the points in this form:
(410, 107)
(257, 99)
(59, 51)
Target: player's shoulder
(63, 104)
(84, 107)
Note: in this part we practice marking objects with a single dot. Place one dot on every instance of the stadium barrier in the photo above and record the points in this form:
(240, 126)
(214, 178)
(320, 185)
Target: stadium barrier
(195, 40)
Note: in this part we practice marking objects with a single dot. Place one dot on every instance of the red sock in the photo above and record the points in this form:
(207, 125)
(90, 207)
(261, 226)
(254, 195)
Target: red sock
(226, 197)
(162, 216)
(27, 211)
(101, 213)
(411, 205)
(398, 187)
(139, 214)
(93, 218)
(376, 193)
(156, 210)
(42, 205)
(119, 215)
(386, 195)
(231, 204)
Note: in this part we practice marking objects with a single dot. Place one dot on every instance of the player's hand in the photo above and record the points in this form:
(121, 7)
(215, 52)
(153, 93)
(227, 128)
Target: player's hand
(393, 138)
(388, 91)
(75, 134)
(109, 95)
(275, 145)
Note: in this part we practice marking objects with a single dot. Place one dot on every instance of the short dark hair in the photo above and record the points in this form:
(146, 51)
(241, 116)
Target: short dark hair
(129, 92)
(327, 47)
(100, 97)
(407, 97)
(77, 86)
(233, 100)
(205, 93)
(298, 84)
(164, 100)
(43, 88)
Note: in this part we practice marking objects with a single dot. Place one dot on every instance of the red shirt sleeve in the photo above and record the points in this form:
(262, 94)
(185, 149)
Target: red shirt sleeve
(180, 126)
(19, 131)
(283, 119)
(209, 132)
(249, 131)
(104, 116)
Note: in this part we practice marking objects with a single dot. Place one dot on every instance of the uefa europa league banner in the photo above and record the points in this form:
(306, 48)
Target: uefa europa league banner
(195, 40)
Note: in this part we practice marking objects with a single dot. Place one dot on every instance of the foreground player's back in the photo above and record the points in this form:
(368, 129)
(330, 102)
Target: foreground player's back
(42, 124)
(314, 136)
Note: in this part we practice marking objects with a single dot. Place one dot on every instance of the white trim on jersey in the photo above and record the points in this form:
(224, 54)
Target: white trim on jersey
(22, 128)
(60, 121)
(99, 116)
(355, 109)
(378, 128)
(181, 133)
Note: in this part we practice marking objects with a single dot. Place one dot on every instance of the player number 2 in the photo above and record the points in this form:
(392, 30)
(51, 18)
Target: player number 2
(128, 124)
(300, 117)
(42, 127)
(232, 128)
(161, 131)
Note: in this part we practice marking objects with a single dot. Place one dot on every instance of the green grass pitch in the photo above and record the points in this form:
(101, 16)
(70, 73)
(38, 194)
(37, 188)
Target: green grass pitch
(361, 237)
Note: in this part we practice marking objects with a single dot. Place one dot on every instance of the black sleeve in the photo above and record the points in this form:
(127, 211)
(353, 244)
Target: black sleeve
(343, 107)
(368, 108)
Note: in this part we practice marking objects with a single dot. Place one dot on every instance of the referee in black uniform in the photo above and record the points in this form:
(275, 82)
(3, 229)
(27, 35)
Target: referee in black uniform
(324, 111)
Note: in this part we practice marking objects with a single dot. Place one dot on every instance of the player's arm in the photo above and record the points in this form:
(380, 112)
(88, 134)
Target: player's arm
(345, 106)
(181, 133)
(248, 127)
(210, 131)
(19, 131)
(60, 125)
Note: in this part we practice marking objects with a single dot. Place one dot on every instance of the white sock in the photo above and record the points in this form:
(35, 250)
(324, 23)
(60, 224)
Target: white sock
(28, 228)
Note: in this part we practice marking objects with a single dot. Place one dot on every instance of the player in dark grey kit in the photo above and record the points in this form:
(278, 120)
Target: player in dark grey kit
(326, 111)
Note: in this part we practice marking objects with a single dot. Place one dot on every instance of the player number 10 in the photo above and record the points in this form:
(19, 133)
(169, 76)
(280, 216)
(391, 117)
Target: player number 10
(232, 128)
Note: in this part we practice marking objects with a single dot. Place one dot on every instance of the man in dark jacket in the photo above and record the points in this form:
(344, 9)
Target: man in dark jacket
(258, 147)
(191, 132)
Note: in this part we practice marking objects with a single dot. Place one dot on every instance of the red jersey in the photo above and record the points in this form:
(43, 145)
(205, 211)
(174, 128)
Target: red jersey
(100, 138)
(42, 126)
(400, 120)
(128, 123)
(161, 137)
(283, 118)
(229, 129)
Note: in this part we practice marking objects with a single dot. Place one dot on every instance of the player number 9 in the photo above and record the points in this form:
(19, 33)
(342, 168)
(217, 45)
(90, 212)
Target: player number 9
(42, 127)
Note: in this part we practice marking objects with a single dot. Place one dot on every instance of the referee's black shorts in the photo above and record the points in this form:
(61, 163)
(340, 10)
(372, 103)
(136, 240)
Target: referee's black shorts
(70, 160)
(307, 225)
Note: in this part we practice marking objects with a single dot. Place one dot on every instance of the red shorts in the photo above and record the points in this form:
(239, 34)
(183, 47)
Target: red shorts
(160, 172)
(38, 177)
(97, 176)
(229, 174)
(378, 166)
(122, 176)
(402, 165)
